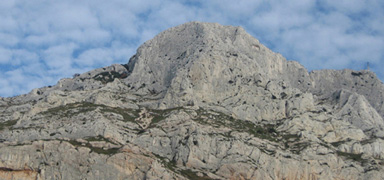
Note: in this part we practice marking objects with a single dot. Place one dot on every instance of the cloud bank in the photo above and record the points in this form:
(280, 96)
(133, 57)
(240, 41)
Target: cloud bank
(43, 41)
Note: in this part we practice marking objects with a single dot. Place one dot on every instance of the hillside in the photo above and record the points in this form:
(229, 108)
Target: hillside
(198, 101)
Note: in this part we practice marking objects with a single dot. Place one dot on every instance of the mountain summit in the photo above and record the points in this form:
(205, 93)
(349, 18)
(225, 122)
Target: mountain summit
(205, 62)
(198, 101)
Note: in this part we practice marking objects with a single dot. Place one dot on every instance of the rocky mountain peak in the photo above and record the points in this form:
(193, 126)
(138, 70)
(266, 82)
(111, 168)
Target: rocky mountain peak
(199, 101)
(159, 60)
(209, 64)
(202, 61)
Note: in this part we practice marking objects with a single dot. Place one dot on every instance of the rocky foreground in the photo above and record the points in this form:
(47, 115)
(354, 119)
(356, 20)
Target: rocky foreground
(199, 101)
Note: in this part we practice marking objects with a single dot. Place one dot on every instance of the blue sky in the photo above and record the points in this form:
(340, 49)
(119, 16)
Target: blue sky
(42, 41)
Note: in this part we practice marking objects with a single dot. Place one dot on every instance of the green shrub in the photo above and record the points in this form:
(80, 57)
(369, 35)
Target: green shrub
(7, 124)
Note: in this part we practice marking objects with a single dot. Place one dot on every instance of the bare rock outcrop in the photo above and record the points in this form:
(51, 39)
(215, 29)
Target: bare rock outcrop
(199, 101)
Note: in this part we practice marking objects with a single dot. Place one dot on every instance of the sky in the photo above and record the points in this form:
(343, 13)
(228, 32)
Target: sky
(42, 41)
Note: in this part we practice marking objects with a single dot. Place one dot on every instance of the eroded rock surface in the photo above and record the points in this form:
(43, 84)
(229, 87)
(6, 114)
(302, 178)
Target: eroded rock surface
(199, 101)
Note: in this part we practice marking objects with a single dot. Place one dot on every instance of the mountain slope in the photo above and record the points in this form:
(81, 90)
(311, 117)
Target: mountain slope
(200, 100)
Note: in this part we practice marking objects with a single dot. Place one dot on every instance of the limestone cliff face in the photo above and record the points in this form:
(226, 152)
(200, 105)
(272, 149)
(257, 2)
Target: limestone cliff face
(362, 82)
(210, 64)
(199, 101)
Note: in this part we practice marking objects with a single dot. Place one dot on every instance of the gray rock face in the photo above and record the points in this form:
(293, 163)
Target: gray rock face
(362, 82)
(199, 101)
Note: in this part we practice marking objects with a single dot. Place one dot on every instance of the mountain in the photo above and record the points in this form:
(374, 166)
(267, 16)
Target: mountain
(198, 101)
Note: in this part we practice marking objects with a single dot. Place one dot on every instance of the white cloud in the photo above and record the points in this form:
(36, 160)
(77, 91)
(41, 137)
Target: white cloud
(8, 40)
(42, 40)
(5, 56)
(347, 6)
(6, 89)
(23, 57)
(336, 35)
(60, 56)
(15, 75)
(95, 56)
(8, 24)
